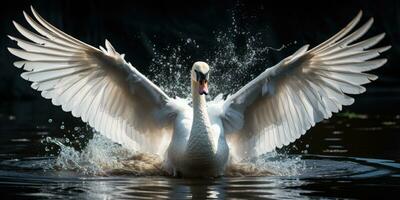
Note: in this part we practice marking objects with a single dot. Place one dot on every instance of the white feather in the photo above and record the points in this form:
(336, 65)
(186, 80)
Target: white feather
(303, 89)
(77, 77)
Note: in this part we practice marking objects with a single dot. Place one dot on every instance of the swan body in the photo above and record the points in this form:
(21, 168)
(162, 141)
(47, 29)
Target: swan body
(198, 141)
(196, 148)
(271, 111)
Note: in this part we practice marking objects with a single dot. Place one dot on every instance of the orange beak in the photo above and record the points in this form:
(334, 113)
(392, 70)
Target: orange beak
(203, 87)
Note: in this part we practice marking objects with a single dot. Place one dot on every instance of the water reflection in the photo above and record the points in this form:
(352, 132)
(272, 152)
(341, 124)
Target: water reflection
(169, 188)
(322, 175)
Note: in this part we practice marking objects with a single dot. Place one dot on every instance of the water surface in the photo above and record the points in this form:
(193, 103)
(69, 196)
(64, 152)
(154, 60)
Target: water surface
(350, 156)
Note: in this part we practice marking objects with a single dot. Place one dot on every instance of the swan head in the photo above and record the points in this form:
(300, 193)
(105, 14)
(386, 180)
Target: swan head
(200, 76)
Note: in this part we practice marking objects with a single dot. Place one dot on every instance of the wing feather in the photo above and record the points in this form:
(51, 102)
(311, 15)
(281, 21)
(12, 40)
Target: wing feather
(286, 100)
(98, 86)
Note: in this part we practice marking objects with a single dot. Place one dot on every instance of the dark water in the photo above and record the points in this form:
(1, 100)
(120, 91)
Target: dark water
(350, 156)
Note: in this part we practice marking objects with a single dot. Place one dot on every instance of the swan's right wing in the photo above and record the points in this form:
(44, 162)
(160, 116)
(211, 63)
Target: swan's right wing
(97, 85)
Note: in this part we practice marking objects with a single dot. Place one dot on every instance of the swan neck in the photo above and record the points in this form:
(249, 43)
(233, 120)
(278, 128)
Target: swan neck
(200, 134)
(199, 105)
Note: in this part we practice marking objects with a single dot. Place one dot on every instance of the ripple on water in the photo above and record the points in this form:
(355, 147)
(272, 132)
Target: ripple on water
(105, 170)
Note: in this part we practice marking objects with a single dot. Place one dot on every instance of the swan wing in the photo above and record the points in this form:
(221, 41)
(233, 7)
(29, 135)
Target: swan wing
(97, 85)
(286, 100)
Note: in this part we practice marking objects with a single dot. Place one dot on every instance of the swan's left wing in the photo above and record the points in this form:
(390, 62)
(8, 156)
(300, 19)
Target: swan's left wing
(98, 86)
(287, 99)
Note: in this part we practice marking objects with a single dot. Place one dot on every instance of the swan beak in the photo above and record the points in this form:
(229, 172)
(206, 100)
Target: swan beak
(203, 87)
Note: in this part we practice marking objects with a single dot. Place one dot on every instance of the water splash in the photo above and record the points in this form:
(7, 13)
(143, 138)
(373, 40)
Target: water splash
(235, 57)
(269, 164)
(169, 68)
(101, 156)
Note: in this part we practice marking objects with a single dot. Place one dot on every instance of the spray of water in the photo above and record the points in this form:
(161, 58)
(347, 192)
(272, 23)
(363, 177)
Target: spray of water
(272, 163)
(101, 156)
(235, 57)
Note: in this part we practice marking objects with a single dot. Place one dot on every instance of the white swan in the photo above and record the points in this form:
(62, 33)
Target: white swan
(272, 110)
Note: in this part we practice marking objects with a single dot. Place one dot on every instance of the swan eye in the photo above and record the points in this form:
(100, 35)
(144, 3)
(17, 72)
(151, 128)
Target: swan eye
(200, 76)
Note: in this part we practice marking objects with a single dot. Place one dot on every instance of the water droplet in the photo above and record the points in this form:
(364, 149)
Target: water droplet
(62, 127)
(50, 120)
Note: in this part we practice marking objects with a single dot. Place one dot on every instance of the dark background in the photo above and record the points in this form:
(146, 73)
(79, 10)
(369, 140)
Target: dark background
(134, 28)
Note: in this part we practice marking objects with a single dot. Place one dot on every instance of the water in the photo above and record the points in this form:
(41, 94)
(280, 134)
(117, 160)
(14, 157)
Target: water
(349, 156)
(236, 56)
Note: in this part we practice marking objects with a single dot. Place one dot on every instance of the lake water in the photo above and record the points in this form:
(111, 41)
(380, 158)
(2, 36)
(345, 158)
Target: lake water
(349, 156)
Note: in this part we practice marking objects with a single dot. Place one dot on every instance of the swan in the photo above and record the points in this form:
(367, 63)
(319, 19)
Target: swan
(271, 111)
